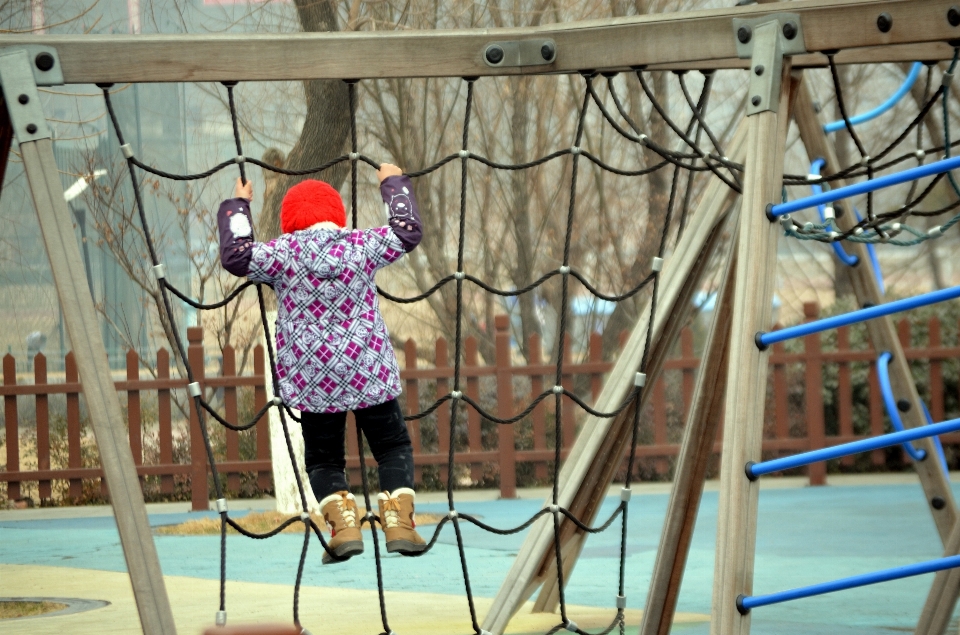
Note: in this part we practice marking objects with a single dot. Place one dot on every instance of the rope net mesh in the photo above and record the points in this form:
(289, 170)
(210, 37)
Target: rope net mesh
(690, 158)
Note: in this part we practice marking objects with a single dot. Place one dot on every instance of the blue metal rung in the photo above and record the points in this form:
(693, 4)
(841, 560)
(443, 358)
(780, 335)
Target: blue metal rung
(747, 602)
(905, 87)
(883, 375)
(764, 340)
(919, 172)
(755, 470)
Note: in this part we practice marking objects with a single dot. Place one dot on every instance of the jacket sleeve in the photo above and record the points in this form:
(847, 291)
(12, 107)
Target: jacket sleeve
(239, 254)
(236, 235)
(404, 215)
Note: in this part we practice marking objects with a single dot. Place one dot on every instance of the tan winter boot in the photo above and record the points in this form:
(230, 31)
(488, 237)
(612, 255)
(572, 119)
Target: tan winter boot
(398, 522)
(340, 512)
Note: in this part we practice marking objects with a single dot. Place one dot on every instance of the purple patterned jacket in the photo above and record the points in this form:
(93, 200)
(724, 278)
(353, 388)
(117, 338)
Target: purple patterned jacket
(333, 348)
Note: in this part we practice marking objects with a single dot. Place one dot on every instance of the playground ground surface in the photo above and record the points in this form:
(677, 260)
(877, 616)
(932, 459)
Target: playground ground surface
(805, 535)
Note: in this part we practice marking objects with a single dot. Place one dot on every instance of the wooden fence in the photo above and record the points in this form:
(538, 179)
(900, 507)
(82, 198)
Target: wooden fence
(796, 416)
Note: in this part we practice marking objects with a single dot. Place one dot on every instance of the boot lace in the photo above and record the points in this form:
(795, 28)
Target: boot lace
(348, 513)
(391, 512)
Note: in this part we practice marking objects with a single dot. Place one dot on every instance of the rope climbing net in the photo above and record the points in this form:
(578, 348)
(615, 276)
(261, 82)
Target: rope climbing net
(693, 160)
(690, 158)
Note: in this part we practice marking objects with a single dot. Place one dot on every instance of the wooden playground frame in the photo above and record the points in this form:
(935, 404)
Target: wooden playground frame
(918, 29)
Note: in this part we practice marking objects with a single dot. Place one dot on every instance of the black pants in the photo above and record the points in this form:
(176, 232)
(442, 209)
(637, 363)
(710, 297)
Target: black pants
(385, 431)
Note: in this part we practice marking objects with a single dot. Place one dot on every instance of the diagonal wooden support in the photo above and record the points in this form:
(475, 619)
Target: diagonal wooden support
(883, 333)
(589, 468)
(699, 435)
(746, 389)
(56, 226)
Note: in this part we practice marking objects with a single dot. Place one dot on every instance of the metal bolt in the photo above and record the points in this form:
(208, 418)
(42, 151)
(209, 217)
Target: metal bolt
(938, 503)
(494, 54)
(31, 128)
(744, 34)
(547, 52)
(953, 16)
(23, 99)
(44, 61)
(756, 100)
(903, 405)
(884, 22)
(758, 69)
(789, 30)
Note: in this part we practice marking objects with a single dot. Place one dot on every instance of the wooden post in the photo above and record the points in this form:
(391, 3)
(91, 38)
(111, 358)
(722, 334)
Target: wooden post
(74, 458)
(230, 412)
(844, 391)
(11, 425)
(100, 395)
(474, 434)
(413, 405)
(593, 460)
(756, 246)
(164, 420)
(539, 414)
(265, 478)
(508, 461)
(813, 396)
(443, 412)
(199, 491)
(703, 419)
(43, 425)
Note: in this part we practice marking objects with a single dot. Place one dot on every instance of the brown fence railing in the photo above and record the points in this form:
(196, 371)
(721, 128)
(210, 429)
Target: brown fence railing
(166, 443)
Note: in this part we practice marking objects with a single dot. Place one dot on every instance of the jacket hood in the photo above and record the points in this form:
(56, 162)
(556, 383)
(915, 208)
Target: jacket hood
(328, 252)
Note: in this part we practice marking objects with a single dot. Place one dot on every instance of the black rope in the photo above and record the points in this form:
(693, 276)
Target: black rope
(680, 160)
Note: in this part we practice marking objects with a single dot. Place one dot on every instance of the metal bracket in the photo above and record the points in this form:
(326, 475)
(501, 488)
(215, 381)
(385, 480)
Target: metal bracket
(520, 53)
(766, 41)
(44, 61)
(22, 99)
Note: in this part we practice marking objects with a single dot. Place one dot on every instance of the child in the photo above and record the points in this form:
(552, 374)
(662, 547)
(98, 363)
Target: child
(333, 349)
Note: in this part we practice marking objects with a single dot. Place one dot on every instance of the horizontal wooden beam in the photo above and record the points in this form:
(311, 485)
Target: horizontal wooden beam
(688, 40)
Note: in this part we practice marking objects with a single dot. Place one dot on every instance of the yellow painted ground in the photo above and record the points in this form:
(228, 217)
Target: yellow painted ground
(328, 611)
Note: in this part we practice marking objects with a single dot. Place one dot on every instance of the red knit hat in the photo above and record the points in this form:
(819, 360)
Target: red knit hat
(310, 202)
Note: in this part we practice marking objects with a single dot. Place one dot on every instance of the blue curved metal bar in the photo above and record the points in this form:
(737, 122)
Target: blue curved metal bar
(883, 374)
(872, 252)
(905, 87)
(754, 470)
(861, 315)
(870, 185)
(936, 441)
(844, 257)
(745, 603)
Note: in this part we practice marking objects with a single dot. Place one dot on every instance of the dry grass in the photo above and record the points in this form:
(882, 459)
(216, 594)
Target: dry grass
(262, 522)
(10, 610)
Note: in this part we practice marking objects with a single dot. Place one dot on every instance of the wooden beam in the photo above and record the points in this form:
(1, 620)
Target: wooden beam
(942, 599)
(883, 334)
(56, 226)
(744, 403)
(925, 51)
(691, 39)
(700, 431)
(600, 445)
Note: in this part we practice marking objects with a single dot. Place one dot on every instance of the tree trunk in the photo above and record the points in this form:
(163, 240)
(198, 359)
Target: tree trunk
(326, 127)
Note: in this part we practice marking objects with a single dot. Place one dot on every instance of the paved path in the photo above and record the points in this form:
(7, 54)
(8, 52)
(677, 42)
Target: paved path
(805, 535)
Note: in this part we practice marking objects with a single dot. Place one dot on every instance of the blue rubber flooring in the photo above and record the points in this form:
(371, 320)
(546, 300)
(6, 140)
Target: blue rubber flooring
(804, 536)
